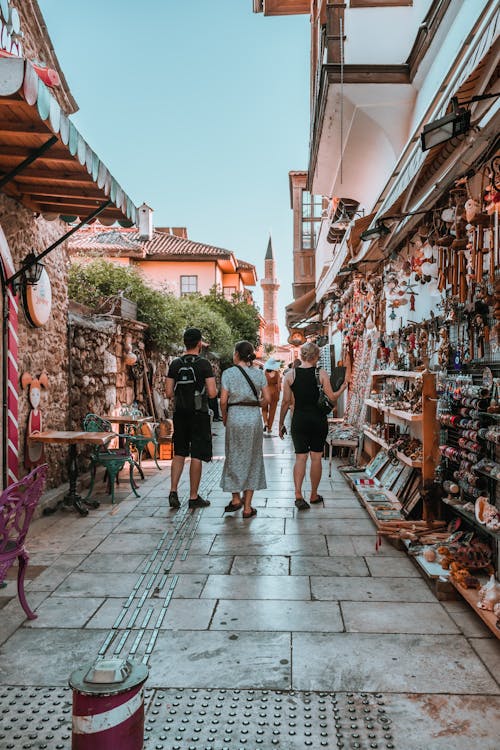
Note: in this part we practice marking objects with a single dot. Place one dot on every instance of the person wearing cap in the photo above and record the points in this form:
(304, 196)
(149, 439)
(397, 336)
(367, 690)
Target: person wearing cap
(192, 429)
(273, 378)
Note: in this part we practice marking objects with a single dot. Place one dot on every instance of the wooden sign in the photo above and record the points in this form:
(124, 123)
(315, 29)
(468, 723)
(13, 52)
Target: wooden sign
(37, 300)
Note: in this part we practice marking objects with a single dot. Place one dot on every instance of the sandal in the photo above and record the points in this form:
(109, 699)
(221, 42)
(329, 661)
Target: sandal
(231, 507)
(301, 504)
(252, 512)
(318, 499)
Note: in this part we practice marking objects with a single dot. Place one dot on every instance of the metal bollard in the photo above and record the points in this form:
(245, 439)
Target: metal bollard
(108, 705)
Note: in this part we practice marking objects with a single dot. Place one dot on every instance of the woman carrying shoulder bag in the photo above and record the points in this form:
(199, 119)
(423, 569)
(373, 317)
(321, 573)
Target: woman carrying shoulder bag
(302, 387)
(244, 391)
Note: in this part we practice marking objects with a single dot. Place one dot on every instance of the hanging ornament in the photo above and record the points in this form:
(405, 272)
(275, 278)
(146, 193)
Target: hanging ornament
(412, 302)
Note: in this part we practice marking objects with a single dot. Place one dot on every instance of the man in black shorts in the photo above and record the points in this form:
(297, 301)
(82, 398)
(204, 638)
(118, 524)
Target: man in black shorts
(191, 382)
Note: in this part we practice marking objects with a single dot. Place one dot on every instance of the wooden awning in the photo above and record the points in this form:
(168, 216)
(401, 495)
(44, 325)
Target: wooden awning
(300, 308)
(45, 163)
(357, 229)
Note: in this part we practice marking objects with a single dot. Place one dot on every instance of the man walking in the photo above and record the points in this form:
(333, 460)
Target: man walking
(191, 382)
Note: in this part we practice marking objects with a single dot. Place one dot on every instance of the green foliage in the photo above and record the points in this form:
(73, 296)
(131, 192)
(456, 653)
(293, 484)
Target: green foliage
(242, 318)
(215, 329)
(221, 321)
(92, 283)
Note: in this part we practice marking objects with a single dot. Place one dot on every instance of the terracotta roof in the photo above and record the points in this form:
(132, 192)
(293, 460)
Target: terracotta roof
(244, 264)
(127, 242)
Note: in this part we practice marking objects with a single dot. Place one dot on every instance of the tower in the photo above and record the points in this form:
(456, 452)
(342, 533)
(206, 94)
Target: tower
(270, 286)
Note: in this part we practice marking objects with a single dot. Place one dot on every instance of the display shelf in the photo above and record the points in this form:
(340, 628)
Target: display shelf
(471, 596)
(431, 569)
(371, 512)
(408, 416)
(376, 405)
(401, 456)
(471, 518)
(489, 414)
(397, 373)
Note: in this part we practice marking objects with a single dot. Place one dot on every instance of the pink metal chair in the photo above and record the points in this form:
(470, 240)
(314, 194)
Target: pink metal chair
(17, 505)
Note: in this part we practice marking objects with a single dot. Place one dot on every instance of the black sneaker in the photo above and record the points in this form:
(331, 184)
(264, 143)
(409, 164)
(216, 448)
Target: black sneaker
(199, 503)
(173, 500)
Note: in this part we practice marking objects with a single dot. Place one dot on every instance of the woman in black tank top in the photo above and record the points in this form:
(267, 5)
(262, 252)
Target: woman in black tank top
(309, 425)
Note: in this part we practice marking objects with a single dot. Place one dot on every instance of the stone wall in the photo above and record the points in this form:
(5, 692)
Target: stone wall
(101, 381)
(42, 348)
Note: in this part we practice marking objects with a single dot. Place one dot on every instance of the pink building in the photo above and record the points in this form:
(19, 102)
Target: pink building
(166, 257)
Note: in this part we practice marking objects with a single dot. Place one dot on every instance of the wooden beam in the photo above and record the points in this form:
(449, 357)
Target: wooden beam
(369, 74)
(54, 201)
(21, 127)
(426, 33)
(61, 190)
(57, 175)
(18, 152)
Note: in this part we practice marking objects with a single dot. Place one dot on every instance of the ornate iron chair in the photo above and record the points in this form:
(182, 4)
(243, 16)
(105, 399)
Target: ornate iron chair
(17, 505)
(138, 439)
(113, 459)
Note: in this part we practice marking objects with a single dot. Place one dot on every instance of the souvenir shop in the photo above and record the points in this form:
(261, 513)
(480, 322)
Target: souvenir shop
(419, 331)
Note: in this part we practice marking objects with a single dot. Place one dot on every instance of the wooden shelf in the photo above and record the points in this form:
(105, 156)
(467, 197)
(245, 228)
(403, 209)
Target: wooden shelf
(376, 405)
(401, 456)
(397, 374)
(408, 416)
(471, 597)
(471, 518)
(431, 569)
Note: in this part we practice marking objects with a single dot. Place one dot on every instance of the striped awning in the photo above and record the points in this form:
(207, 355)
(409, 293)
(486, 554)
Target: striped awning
(65, 177)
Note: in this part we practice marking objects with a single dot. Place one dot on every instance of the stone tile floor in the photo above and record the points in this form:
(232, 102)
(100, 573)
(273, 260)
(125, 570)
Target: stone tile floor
(293, 619)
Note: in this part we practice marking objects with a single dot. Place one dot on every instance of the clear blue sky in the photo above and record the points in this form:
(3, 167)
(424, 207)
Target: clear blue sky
(198, 108)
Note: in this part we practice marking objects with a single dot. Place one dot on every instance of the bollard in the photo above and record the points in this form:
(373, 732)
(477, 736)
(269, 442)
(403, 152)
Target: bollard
(108, 705)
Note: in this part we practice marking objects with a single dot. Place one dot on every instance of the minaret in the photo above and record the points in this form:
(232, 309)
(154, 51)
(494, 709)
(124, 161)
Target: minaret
(270, 286)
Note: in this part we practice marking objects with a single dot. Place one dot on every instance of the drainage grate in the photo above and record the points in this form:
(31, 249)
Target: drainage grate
(203, 719)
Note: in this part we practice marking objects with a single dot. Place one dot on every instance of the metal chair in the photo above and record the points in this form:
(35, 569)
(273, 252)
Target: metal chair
(138, 441)
(113, 459)
(17, 505)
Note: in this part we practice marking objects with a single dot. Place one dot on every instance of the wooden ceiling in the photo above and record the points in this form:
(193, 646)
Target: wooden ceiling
(67, 180)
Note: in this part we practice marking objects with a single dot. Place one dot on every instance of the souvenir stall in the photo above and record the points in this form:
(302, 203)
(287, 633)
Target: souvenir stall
(432, 398)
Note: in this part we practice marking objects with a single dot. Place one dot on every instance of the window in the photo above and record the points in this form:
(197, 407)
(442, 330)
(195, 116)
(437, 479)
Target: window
(189, 284)
(312, 206)
(228, 292)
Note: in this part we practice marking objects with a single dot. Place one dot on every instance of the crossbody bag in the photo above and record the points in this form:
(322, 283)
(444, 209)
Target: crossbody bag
(252, 386)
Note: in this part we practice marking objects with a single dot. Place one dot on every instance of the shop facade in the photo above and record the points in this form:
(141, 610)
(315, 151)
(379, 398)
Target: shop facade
(50, 180)
(407, 293)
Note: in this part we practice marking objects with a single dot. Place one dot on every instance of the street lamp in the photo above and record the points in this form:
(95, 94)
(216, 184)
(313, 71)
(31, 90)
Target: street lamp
(29, 274)
(451, 125)
(378, 231)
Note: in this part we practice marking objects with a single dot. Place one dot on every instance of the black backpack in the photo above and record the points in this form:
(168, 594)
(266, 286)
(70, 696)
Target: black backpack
(187, 396)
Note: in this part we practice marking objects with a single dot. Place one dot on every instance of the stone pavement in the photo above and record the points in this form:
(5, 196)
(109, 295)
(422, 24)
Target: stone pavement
(287, 630)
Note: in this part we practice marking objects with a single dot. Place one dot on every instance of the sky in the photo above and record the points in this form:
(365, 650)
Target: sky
(200, 108)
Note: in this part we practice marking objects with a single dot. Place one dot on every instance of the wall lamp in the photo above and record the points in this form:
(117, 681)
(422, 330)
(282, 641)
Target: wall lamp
(450, 126)
(378, 231)
(29, 274)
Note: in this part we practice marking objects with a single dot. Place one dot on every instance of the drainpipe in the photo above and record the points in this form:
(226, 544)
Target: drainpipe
(70, 374)
(5, 344)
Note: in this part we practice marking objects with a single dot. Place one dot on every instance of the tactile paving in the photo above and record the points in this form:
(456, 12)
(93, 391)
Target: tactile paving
(33, 718)
(202, 719)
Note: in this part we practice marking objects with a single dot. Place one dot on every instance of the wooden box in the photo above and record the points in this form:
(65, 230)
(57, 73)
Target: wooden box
(166, 451)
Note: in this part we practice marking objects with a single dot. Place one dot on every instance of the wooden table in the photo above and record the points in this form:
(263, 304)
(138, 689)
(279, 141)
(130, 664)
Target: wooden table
(125, 419)
(72, 438)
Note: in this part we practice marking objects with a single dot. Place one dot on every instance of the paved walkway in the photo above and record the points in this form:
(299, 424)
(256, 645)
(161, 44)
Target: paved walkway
(286, 630)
